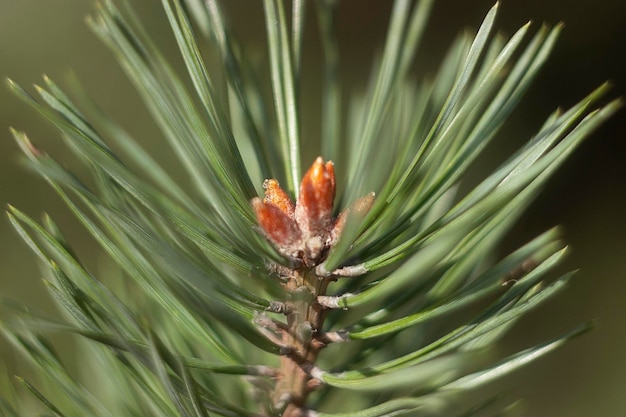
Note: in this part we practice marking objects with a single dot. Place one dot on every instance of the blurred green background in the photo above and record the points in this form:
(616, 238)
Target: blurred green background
(588, 196)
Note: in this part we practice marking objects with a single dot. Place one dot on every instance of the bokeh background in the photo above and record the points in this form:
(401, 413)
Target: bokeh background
(587, 196)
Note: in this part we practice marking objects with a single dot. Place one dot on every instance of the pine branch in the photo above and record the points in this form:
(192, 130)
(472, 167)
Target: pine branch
(218, 284)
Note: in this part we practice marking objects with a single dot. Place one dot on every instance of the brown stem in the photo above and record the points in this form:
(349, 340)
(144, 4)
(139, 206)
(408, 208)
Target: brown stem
(303, 339)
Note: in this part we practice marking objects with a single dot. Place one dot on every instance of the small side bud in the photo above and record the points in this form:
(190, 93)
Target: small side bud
(359, 208)
(363, 205)
(278, 226)
(278, 197)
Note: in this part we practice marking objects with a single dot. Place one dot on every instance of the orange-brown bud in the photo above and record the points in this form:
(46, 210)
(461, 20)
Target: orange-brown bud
(277, 225)
(278, 197)
(307, 230)
(315, 203)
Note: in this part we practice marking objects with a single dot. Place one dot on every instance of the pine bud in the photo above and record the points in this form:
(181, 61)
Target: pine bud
(281, 229)
(314, 207)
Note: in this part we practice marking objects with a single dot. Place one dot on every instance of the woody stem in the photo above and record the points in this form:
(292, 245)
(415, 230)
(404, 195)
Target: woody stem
(302, 338)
